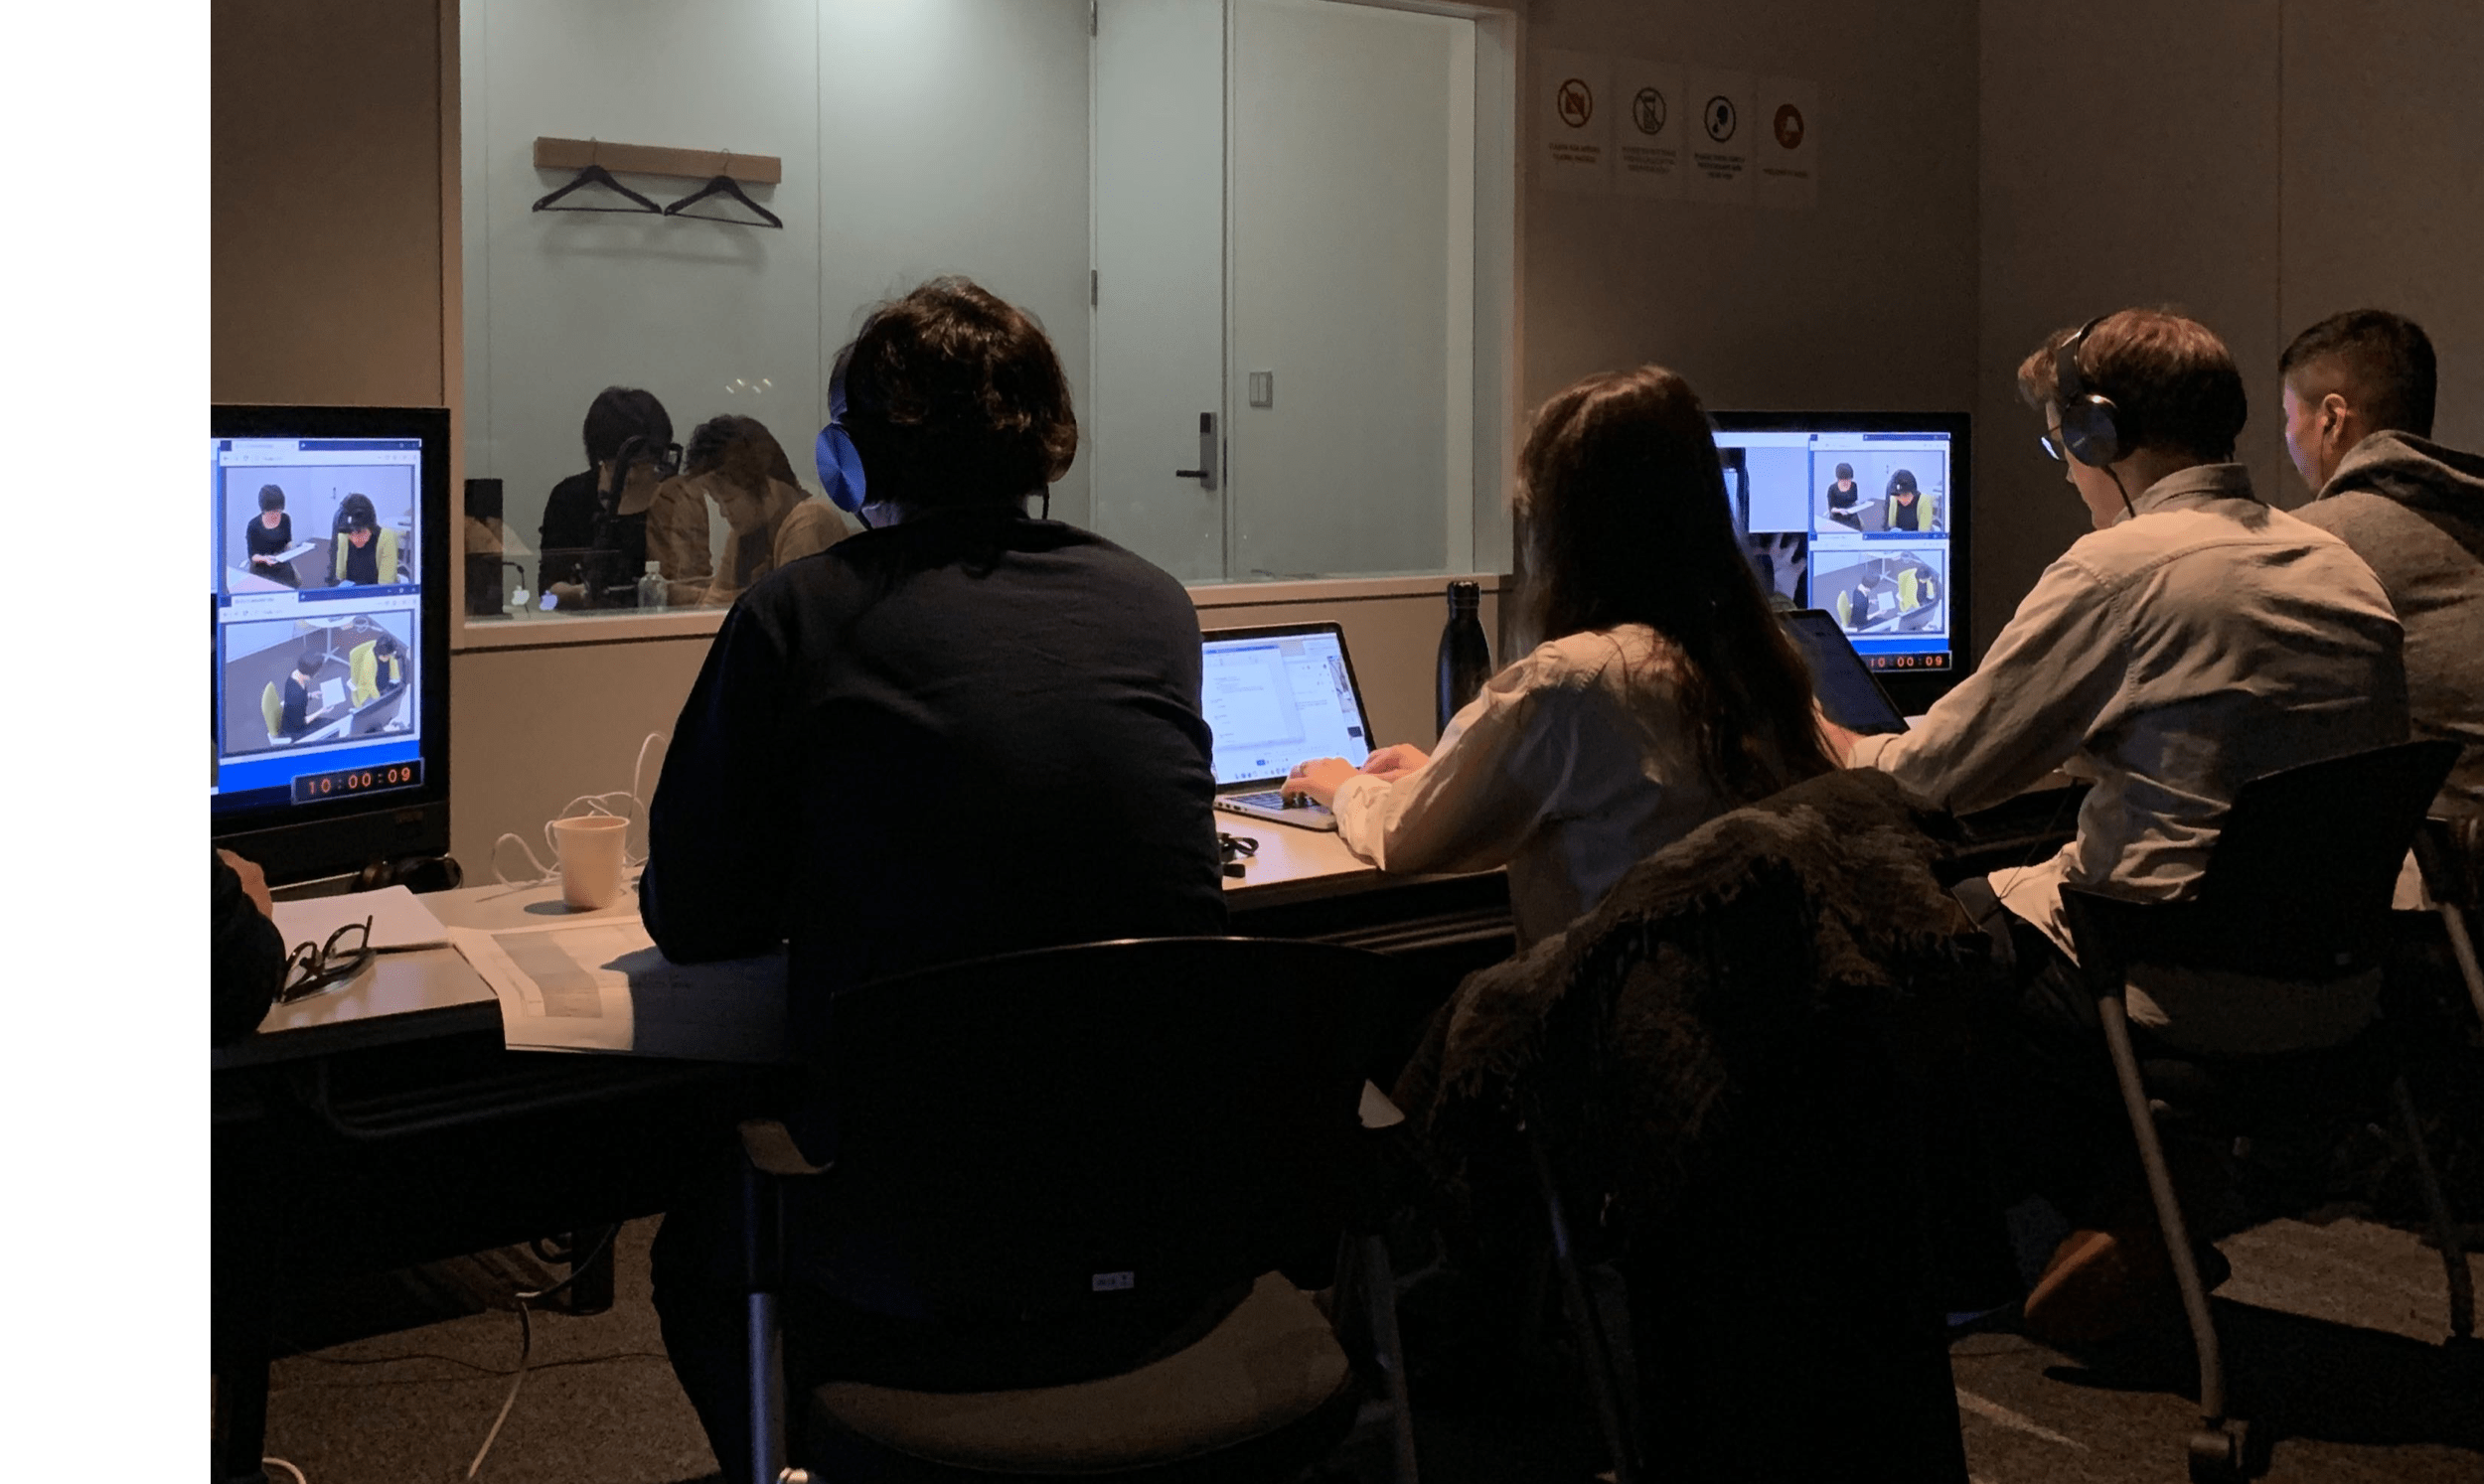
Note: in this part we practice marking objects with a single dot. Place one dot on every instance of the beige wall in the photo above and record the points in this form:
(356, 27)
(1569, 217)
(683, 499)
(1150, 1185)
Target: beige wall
(325, 213)
(2257, 166)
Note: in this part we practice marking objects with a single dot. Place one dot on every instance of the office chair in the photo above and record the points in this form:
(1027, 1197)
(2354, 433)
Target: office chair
(2449, 853)
(271, 711)
(1042, 1135)
(2297, 889)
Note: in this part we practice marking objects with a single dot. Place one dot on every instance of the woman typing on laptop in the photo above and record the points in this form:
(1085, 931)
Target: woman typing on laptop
(1663, 694)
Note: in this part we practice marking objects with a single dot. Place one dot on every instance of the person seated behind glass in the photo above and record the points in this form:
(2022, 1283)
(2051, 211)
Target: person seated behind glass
(365, 553)
(1908, 509)
(628, 436)
(2197, 638)
(1844, 499)
(300, 713)
(865, 723)
(738, 463)
(268, 536)
(1662, 695)
(387, 665)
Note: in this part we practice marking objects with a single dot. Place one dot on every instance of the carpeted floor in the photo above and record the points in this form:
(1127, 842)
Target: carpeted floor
(2334, 1329)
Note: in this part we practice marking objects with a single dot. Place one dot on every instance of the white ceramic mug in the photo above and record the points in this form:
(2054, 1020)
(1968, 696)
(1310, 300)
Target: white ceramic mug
(590, 849)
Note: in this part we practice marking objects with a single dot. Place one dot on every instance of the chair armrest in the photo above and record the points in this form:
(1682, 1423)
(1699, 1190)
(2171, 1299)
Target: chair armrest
(771, 1150)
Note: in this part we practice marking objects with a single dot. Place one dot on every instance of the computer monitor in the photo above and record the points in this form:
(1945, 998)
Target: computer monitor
(1864, 515)
(328, 570)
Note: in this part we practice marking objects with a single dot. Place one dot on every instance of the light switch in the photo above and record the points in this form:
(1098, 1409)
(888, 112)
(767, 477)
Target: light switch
(1262, 388)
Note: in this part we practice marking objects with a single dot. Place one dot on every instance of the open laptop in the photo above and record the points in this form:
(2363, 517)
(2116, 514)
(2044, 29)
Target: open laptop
(1276, 696)
(1848, 691)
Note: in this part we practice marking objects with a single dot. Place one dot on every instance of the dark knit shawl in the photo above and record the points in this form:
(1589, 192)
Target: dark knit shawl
(1711, 975)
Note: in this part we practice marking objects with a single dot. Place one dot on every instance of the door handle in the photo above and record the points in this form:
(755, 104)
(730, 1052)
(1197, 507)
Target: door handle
(1205, 474)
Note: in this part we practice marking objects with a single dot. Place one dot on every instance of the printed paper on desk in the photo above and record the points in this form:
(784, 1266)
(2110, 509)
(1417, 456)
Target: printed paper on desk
(602, 985)
(398, 920)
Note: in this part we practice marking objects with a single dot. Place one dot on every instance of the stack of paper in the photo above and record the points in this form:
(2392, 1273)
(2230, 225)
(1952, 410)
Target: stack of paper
(602, 985)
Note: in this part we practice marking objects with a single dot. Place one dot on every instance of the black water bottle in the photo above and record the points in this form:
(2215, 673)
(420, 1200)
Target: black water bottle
(1466, 659)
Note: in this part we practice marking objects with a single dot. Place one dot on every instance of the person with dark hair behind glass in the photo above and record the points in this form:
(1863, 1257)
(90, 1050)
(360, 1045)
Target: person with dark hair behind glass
(651, 516)
(863, 716)
(269, 535)
(299, 714)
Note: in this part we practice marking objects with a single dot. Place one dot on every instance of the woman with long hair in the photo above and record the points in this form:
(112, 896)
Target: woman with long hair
(1661, 694)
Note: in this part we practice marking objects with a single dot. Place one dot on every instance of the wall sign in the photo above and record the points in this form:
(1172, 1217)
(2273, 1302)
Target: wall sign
(1574, 120)
(1720, 138)
(1649, 149)
(1785, 166)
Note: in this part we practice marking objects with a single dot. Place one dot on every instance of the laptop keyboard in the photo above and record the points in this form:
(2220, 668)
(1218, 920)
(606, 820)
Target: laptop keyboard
(1273, 799)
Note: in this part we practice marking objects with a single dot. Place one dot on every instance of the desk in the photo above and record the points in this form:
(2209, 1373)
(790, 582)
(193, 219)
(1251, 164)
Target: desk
(383, 1123)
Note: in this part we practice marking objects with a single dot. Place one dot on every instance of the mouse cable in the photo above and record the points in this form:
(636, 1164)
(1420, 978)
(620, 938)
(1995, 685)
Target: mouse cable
(298, 1476)
(525, 1345)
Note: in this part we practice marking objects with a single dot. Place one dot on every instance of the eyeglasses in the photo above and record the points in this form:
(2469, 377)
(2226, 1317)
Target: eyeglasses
(314, 967)
(2052, 448)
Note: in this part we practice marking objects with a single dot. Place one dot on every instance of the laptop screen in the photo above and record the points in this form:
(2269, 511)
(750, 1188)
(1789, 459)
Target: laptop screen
(1277, 696)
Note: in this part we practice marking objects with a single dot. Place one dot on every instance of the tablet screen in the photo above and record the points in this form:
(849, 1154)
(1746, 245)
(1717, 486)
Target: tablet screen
(1846, 689)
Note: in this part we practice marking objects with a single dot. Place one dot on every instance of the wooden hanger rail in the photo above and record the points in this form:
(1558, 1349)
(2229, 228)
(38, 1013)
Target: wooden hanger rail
(657, 159)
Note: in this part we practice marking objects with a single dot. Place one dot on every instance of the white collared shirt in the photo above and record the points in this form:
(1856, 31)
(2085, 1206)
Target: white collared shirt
(2196, 644)
(1574, 765)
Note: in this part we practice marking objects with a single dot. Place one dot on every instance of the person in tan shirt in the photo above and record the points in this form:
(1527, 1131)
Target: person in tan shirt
(738, 463)
(2196, 640)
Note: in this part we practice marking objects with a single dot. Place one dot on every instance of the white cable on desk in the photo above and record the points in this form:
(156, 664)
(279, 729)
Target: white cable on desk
(594, 804)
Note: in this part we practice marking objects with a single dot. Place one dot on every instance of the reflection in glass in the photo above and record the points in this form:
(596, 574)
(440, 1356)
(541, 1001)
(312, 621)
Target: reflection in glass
(738, 463)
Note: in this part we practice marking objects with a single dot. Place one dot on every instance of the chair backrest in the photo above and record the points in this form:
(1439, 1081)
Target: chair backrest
(2299, 883)
(271, 709)
(1033, 1133)
(361, 664)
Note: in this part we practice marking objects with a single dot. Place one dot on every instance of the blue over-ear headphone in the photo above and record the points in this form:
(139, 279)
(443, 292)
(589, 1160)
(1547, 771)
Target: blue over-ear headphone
(840, 463)
(2091, 428)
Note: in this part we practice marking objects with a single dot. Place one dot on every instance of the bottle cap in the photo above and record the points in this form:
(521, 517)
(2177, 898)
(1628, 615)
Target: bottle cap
(1464, 594)
(655, 569)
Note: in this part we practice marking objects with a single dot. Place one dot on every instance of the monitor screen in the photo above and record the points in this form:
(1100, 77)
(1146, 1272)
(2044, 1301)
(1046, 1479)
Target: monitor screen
(1275, 697)
(326, 616)
(1863, 515)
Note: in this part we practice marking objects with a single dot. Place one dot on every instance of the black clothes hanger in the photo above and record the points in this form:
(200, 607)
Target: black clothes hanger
(722, 185)
(597, 175)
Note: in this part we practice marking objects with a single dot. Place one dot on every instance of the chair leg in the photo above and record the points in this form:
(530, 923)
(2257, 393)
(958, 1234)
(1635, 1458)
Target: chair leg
(1380, 1288)
(1594, 1355)
(767, 1391)
(2462, 948)
(2169, 1217)
(2444, 1226)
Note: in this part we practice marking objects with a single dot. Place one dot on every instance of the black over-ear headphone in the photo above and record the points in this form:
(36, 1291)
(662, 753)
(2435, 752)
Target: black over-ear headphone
(2091, 428)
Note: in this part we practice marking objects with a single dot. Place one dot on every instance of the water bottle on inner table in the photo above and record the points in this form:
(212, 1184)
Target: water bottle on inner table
(1466, 659)
(650, 588)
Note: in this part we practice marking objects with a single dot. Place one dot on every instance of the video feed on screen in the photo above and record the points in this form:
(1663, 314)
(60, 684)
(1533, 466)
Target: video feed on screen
(1881, 588)
(335, 675)
(1868, 491)
(313, 527)
(1855, 514)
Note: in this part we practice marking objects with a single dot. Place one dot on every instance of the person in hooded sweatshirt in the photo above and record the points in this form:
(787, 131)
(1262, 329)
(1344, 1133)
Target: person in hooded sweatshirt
(2358, 394)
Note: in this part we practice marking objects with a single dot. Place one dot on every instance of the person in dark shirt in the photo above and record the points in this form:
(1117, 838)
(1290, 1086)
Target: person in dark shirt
(269, 535)
(358, 527)
(300, 715)
(1844, 497)
(654, 517)
(387, 664)
(246, 952)
(868, 716)
(1908, 509)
